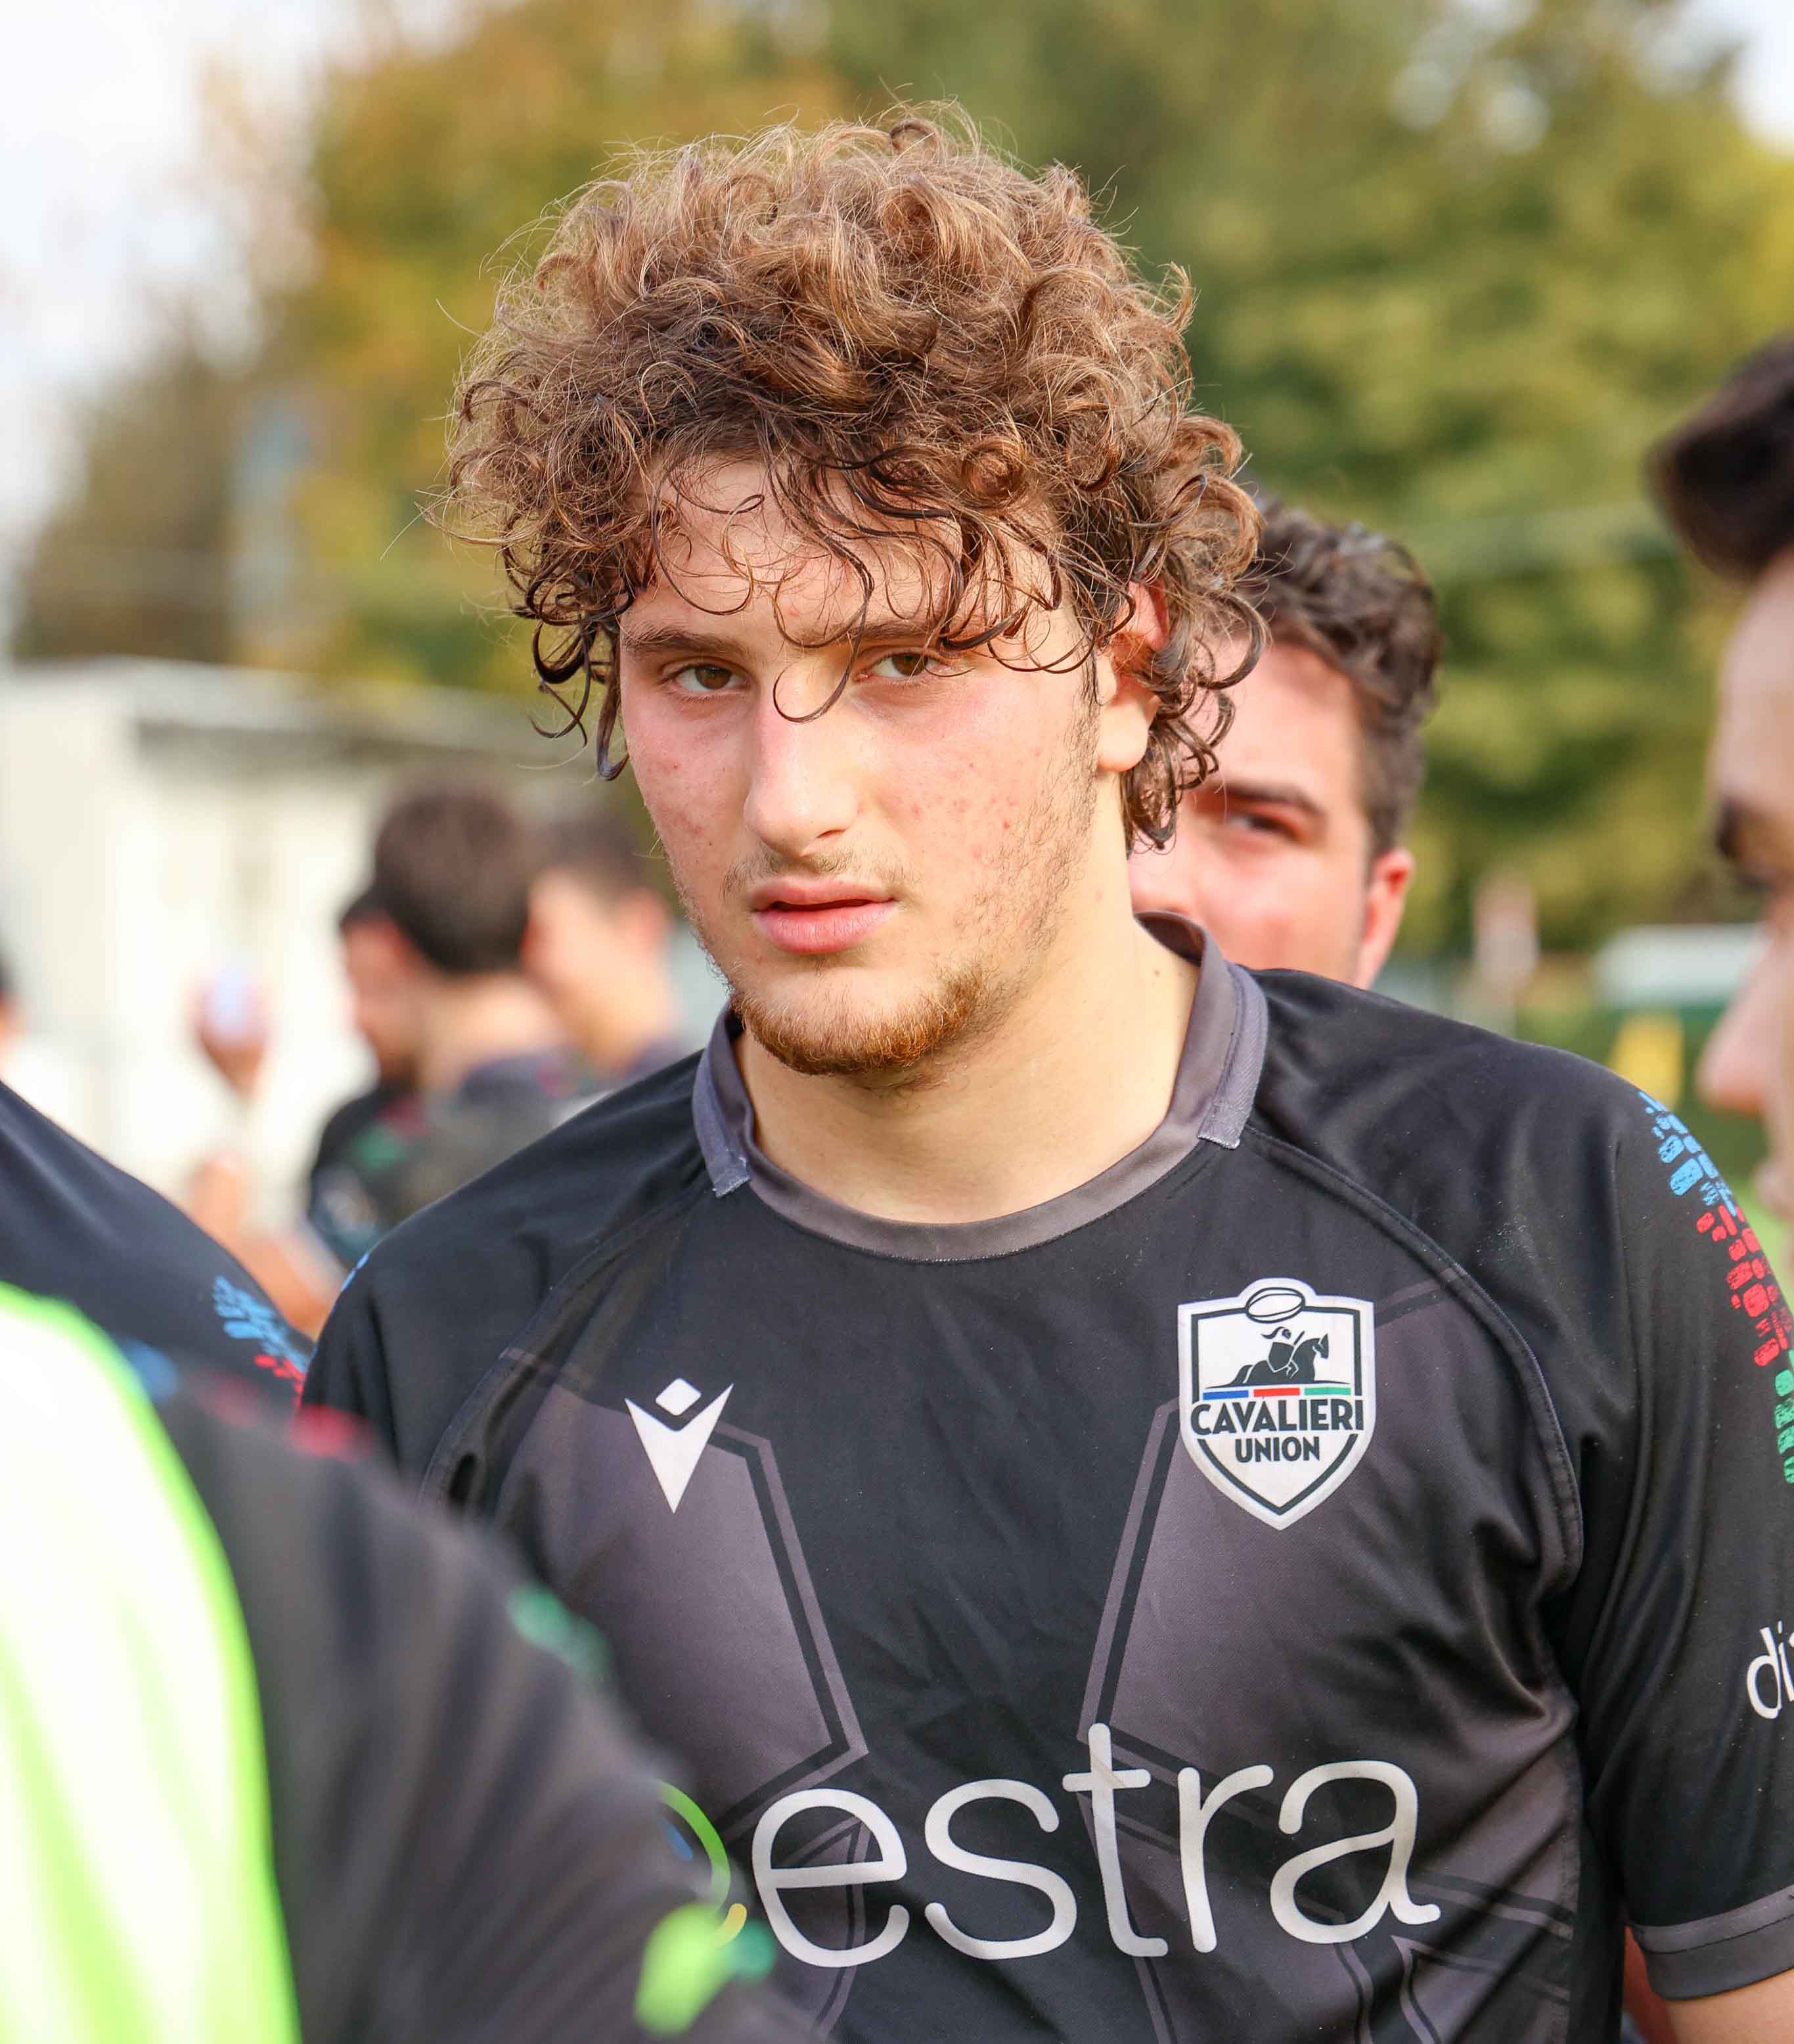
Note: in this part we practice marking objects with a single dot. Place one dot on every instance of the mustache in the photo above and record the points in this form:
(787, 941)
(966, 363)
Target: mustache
(759, 868)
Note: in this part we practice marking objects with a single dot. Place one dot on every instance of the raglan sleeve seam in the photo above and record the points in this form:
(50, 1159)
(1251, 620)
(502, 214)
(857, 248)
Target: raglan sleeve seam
(1450, 1272)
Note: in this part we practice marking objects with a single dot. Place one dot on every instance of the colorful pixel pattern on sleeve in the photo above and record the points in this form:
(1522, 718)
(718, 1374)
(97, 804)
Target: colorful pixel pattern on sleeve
(246, 1318)
(1750, 1284)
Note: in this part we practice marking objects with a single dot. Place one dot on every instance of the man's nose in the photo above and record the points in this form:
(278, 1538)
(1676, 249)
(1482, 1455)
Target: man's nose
(804, 784)
(1736, 1065)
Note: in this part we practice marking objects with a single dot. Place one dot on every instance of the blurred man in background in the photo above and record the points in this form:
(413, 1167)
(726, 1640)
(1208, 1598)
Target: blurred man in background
(598, 946)
(282, 1761)
(472, 1061)
(232, 1027)
(454, 869)
(1291, 851)
(386, 981)
(1725, 479)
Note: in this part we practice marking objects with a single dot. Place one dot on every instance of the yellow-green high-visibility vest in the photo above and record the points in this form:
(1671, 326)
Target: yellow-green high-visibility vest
(137, 1896)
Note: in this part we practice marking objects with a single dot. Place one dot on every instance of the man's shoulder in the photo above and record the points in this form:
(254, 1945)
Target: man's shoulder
(73, 1226)
(1562, 1195)
(437, 1302)
(1341, 1058)
(1458, 1128)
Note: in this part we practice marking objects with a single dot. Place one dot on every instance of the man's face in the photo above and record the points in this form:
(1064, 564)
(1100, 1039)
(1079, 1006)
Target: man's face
(888, 879)
(1273, 853)
(384, 975)
(588, 950)
(1748, 1066)
(572, 945)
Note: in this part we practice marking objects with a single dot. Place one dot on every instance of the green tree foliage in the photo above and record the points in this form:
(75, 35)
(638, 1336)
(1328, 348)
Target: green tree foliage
(1452, 279)
(426, 169)
(1457, 265)
(139, 559)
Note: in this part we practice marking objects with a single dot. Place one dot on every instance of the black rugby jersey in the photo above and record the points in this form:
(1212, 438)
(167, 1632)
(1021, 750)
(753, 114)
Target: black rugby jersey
(1311, 1581)
(75, 1228)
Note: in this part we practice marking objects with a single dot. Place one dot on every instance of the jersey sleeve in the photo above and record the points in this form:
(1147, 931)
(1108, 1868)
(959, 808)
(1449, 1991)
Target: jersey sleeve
(348, 1365)
(467, 1845)
(1678, 1634)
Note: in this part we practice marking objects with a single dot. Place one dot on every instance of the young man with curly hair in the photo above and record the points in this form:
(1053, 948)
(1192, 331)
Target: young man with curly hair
(1292, 853)
(1151, 1504)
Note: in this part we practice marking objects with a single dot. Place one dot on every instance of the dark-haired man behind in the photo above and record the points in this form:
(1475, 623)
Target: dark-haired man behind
(1291, 852)
(1725, 478)
(449, 899)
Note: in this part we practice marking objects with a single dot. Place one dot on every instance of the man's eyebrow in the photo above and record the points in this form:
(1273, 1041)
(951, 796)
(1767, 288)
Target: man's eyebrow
(677, 639)
(1267, 794)
(722, 645)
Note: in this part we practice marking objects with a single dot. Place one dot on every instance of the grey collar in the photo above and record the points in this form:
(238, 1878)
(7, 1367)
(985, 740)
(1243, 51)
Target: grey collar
(1217, 1081)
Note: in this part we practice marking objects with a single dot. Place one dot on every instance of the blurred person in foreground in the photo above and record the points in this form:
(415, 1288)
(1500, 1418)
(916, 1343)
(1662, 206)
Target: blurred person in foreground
(75, 1227)
(1156, 1503)
(599, 946)
(285, 1761)
(1725, 479)
(1291, 853)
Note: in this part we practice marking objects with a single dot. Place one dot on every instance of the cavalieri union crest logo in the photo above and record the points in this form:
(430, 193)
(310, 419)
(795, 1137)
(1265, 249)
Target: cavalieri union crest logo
(1278, 1394)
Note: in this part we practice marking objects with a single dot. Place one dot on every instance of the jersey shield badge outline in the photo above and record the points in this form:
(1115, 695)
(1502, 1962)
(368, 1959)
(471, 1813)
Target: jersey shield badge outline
(1277, 1394)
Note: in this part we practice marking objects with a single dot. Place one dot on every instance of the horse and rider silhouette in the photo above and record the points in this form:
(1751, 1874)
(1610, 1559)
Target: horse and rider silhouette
(1291, 1360)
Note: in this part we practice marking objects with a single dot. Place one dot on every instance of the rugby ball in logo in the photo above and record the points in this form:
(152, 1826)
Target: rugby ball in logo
(1277, 1394)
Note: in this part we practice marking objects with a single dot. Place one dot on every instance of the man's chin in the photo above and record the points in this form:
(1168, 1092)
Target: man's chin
(822, 1034)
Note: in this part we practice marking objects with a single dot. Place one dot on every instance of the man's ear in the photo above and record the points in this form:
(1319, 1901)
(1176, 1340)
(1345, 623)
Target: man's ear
(400, 951)
(1128, 702)
(1384, 899)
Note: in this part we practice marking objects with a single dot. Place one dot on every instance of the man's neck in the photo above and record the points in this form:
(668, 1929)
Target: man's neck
(469, 1022)
(1078, 1073)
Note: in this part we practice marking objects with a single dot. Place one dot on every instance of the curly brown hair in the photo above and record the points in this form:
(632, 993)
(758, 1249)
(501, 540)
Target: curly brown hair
(1361, 604)
(905, 332)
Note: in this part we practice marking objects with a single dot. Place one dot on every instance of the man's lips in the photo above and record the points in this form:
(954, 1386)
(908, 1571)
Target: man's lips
(810, 920)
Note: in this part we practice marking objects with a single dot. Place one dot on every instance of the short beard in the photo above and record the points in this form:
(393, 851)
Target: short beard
(964, 1005)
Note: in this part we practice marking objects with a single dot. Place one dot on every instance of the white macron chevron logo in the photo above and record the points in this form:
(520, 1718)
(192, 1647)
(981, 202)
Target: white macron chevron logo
(673, 1452)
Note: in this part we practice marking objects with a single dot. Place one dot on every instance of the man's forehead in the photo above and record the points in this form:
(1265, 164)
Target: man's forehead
(1295, 719)
(727, 547)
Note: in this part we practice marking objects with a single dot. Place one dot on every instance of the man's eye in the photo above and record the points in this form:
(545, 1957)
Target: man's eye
(702, 677)
(904, 667)
(1257, 824)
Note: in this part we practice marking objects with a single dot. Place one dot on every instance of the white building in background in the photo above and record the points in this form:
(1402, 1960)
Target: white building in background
(159, 823)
